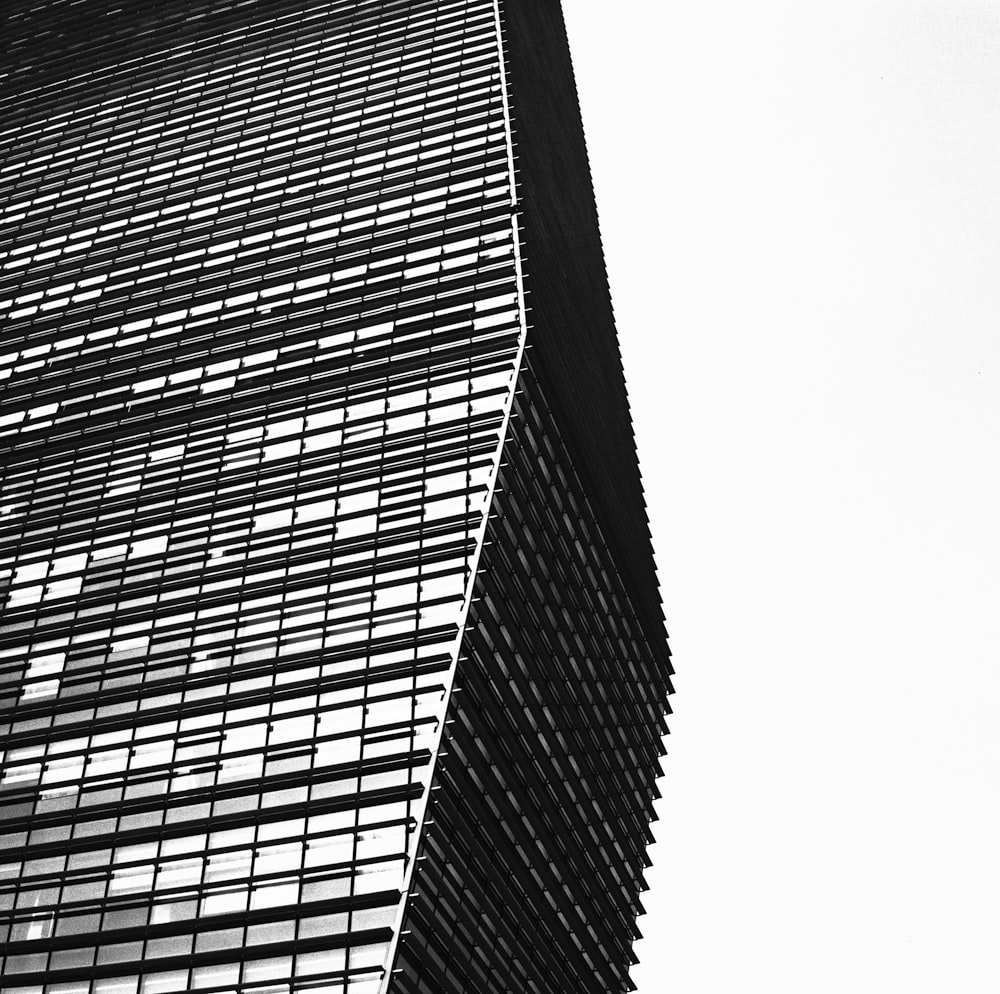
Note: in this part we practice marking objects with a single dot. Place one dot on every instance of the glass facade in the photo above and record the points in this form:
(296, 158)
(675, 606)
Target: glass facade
(529, 876)
(264, 362)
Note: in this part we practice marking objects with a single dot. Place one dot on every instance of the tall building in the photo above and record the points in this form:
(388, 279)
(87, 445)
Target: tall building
(332, 658)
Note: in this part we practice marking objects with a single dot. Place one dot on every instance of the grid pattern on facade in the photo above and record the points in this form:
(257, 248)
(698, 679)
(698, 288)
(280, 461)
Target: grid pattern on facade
(286, 561)
(574, 341)
(529, 876)
(262, 322)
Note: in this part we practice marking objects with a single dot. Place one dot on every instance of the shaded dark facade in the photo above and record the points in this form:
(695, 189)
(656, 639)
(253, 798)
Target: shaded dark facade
(332, 657)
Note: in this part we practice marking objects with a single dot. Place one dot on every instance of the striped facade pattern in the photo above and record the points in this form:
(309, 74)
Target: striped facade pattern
(251, 421)
(529, 878)
(264, 324)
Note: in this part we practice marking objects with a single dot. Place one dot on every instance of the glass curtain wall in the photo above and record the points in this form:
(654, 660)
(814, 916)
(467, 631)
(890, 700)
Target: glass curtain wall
(261, 299)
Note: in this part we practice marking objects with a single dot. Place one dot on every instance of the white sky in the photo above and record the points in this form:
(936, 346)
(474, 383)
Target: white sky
(801, 214)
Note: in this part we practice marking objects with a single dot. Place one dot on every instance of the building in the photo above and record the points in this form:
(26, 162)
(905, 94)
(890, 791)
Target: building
(332, 653)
